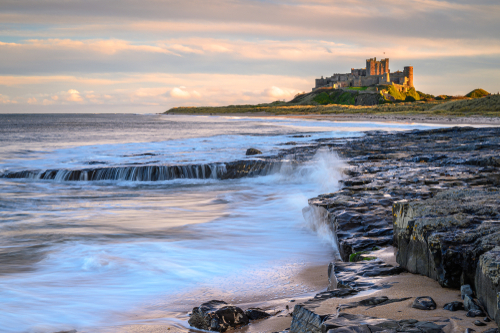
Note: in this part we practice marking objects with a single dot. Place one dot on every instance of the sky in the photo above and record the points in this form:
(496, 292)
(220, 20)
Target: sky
(149, 56)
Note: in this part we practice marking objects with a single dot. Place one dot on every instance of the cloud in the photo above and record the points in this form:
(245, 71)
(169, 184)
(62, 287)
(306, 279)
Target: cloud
(183, 94)
(73, 96)
(6, 100)
(279, 93)
(120, 52)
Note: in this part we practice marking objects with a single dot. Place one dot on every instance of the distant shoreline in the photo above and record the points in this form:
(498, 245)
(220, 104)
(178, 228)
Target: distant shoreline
(359, 117)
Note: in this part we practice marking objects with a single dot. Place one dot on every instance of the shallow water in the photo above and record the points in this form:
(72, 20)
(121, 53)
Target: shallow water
(81, 255)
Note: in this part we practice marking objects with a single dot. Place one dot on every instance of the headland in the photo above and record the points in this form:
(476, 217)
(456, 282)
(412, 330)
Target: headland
(370, 91)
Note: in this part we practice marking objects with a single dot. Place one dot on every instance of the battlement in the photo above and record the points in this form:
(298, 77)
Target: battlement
(375, 73)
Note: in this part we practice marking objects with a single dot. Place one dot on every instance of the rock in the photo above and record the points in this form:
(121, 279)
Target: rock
(469, 304)
(465, 290)
(491, 330)
(217, 316)
(454, 306)
(444, 236)
(479, 323)
(359, 275)
(424, 303)
(449, 179)
(256, 313)
(360, 324)
(486, 319)
(253, 151)
(306, 317)
(453, 239)
(487, 282)
(469, 330)
(475, 313)
(372, 302)
(316, 315)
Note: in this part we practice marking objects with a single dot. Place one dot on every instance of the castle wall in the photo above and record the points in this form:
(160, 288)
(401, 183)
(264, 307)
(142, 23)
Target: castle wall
(375, 73)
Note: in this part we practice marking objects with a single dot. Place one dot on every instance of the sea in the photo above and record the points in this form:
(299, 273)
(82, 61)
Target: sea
(126, 249)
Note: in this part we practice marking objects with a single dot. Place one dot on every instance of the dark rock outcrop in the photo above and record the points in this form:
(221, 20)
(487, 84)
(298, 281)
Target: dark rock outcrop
(487, 282)
(453, 238)
(217, 316)
(253, 151)
(447, 226)
(443, 237)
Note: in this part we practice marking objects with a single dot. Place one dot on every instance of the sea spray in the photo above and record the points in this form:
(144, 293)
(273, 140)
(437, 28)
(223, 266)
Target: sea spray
(325, 169)
(318, 220)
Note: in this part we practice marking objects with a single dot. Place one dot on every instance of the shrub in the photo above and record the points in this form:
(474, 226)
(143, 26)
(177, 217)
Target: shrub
(424, 95)
(323, 99)
(477, 93)
(346, 98)
(413, 93)
(391, 90)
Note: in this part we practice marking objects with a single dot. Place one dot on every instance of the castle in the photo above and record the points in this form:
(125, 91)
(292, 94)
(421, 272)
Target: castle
(375, 73)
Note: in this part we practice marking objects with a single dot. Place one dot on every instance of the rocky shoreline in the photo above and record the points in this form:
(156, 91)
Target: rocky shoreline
(434, 196)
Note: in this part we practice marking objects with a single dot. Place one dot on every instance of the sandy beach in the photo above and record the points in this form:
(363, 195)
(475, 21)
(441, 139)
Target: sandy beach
(346, 117)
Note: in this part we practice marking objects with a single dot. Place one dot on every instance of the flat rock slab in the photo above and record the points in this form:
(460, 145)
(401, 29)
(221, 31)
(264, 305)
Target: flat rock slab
(362, 275)
(317, 316)
(346, 323)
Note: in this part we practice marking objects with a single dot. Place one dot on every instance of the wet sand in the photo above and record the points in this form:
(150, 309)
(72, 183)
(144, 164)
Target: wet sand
(315, 277)
(346, 117)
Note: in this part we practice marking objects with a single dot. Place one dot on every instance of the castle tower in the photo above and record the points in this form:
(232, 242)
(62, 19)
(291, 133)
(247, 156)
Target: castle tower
(370, 66)
(374, 67)
(385, 65)
(408, 71)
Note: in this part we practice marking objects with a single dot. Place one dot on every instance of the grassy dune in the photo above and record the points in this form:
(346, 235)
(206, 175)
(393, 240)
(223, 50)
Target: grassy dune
(485, 106)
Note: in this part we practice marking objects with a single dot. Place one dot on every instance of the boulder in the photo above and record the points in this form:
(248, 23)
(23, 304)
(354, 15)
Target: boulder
(465, 290)
(256, 313)
(475, 313)
(454, 306)
(424, 303)
(253, 151)
(491, 330)
(217, 316)
(469, 304)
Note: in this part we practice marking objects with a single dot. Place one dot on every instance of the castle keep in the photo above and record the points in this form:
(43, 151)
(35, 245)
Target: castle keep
(375, 73)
